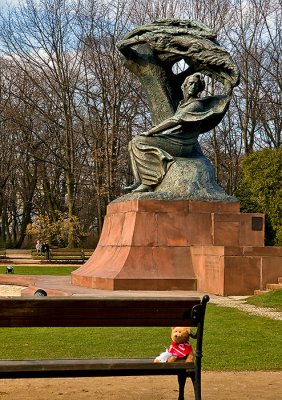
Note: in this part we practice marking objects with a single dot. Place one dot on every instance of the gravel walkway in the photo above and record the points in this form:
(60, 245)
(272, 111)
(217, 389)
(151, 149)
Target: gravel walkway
(10, 290)
(240, 303)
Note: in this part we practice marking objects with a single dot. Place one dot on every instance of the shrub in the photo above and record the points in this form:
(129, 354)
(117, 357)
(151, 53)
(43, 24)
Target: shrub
(260, 190)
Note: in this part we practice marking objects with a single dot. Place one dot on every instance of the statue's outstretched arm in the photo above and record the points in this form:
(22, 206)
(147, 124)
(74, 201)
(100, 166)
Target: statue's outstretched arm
(166, 124)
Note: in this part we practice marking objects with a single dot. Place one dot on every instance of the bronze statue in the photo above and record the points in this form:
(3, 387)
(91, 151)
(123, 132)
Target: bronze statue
(153, 151)
(179, 115)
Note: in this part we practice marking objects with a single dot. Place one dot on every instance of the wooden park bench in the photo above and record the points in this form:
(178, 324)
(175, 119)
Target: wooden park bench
(105, 312)
(87, 253)
(64, 255)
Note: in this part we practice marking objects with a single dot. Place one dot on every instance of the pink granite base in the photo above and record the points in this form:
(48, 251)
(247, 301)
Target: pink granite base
(236, 271)
(137, 268)
(145, 245)
(180, 245)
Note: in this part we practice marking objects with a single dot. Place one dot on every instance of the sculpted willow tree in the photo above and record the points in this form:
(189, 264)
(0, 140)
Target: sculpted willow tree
(167, 160)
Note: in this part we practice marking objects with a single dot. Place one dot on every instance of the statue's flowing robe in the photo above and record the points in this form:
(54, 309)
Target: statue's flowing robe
(151, 156)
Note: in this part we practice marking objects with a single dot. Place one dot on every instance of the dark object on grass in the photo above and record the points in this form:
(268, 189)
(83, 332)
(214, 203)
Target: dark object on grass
(40, 293)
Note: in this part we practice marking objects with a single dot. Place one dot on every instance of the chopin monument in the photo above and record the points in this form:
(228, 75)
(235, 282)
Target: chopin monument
(176, 228)
(179, 114)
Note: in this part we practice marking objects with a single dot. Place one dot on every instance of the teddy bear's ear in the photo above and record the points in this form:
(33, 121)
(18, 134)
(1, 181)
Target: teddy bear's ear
(172, 328)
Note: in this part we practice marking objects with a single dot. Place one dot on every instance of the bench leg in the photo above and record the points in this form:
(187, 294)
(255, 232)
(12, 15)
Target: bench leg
(196, 380)
(181, 383)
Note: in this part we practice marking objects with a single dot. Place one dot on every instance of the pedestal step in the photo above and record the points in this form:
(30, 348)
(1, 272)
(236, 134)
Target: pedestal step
(270, 286)
(274, 286)
(260, 291)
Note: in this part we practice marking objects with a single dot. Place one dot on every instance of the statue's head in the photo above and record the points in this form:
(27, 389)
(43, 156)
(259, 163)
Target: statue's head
(193, 85)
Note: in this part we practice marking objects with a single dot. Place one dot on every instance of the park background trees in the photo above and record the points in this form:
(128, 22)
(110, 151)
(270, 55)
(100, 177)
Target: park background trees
(68, 105)
(260, 189)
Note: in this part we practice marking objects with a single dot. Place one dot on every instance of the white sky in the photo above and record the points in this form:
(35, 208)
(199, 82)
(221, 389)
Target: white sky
(4, 3)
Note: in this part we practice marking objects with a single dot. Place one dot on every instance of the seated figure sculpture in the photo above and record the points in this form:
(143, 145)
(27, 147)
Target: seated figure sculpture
(153, 151)
(179, 114)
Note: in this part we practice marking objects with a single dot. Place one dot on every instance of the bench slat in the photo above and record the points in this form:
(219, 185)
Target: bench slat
(82, 312)
(89, 367)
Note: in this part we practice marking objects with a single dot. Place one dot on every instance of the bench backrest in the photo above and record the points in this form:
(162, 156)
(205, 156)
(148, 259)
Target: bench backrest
(98, 312)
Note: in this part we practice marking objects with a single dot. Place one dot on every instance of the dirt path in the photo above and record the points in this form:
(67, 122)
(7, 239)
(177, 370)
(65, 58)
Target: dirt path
(216, 386)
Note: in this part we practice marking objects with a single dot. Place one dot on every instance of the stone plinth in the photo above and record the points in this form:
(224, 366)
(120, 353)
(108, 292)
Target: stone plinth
(160, 245)
(236, 271)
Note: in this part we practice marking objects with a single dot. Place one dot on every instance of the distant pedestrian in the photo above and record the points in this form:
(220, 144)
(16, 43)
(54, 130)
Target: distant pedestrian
(38, 247)
(46, 249)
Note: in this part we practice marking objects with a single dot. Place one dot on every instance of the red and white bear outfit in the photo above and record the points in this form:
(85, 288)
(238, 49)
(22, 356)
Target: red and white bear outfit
(180, 350)
(175, 350)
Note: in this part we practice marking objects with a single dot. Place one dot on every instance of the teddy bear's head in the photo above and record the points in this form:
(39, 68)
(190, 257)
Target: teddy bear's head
(180, 334)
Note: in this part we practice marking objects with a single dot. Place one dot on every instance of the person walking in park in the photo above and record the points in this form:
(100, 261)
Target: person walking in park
(38, 247)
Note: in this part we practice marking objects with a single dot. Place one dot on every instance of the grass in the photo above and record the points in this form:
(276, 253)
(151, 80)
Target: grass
(271, 299)
(233, 341)
(238, 341)
(31, 270)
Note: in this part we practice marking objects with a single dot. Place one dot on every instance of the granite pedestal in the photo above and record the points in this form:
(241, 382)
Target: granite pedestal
(180, 245)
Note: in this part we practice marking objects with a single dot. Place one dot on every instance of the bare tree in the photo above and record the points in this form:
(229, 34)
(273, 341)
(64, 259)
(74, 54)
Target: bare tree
(112, 102)
(40, 39)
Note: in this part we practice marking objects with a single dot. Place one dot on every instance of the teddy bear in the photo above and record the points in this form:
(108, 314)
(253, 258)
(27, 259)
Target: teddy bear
(180, 348)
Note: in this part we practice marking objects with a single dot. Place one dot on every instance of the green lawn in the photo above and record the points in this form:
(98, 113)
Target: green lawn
(233, 340)
(31, 270)
(271, 299)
